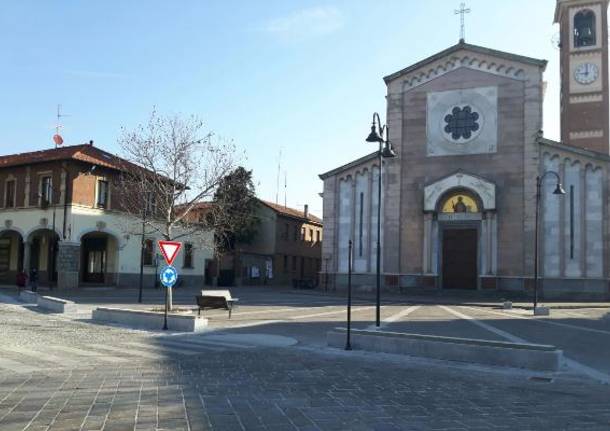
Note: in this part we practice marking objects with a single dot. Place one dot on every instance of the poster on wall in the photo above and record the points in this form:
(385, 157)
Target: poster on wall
(255, 272)
(269, 265)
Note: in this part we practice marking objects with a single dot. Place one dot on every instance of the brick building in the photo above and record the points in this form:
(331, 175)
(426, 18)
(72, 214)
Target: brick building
(459, 198)
(60, 214)
(287, 247)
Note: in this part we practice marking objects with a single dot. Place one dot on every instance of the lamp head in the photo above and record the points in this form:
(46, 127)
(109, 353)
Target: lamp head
(388, 152)
(374, 136)
(559, 190)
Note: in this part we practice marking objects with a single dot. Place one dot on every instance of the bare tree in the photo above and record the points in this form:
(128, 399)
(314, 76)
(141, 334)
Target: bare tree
(173, 165)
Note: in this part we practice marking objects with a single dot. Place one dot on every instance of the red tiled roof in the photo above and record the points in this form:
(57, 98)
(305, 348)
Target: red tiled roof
(291, 212)
(84, 152)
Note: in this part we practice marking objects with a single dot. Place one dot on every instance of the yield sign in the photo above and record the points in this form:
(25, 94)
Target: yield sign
(170, 250)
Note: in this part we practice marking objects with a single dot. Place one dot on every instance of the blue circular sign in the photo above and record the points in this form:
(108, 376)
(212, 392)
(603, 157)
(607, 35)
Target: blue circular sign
(169, 276)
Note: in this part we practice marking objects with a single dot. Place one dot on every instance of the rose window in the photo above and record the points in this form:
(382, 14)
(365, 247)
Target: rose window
(461, 123)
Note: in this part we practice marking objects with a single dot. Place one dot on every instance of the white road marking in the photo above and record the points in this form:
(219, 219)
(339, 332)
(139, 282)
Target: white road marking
(329, 313)
(584, 369)
(547, 321)
(485, 326)
(17, 366)
(395, 317)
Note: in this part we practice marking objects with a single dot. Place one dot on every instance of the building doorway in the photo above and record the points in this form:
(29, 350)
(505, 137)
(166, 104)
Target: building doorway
(99, 258)
(95, 259)
(459, 259)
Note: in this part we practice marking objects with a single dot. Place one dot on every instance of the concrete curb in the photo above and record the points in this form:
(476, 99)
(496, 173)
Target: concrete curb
(537, 357)
(28, 297)
(57, 305)
(149, 319)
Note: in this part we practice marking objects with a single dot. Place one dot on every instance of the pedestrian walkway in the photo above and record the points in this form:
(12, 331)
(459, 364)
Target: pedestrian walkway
(30, 359)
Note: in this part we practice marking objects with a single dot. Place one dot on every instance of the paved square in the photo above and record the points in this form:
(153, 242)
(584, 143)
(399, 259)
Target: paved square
(66, 373)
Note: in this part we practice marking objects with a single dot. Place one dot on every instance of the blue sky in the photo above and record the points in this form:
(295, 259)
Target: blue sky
(304, 76)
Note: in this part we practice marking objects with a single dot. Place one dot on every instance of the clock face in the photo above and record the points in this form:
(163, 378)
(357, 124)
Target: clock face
(586, 73)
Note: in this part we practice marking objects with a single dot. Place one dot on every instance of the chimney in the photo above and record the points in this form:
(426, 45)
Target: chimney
(306, 211)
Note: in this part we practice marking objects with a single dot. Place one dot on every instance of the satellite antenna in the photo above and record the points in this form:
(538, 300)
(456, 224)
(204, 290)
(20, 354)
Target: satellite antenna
(57, 137)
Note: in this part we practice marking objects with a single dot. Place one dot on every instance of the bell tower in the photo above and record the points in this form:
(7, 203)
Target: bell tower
(584, 73)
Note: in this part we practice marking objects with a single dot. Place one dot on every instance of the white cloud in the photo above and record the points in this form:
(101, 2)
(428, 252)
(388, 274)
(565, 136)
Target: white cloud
(306, 23)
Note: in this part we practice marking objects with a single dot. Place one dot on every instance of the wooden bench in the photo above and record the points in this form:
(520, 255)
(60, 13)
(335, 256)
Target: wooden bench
(214, 299)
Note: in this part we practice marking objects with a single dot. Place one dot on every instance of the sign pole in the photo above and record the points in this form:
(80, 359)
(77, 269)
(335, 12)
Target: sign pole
(165, 313)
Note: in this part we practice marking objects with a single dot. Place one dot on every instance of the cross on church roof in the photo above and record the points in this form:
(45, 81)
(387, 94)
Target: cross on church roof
(462, 11)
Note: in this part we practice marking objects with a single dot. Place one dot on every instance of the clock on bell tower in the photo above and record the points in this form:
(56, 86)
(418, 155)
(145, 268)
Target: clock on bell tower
(584, 73)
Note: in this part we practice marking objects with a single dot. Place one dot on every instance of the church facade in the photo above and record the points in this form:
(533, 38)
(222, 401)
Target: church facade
(459, 198)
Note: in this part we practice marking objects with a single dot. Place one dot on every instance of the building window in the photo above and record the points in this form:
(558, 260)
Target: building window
(102, 194)
(302, 234)
(45, 190)
(294, 263)
(584, 28)
(151, 204)
(311, 235)
(9, 200)
(461, 123)
(296, 233)
(285, 263)
(318, 235)
(147, 252)
(286, 231)
(188, 255)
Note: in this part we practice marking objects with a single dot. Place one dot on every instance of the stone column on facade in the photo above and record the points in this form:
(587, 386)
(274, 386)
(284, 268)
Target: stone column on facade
(427, 266)
(583, 221)
(68, 264)
(369, 245)
(484, 245)
(493, 249)
(27, 253)
(562, 220)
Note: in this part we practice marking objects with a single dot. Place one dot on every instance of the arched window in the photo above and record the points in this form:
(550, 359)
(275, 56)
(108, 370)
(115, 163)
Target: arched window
(584, 28)
(459, 202)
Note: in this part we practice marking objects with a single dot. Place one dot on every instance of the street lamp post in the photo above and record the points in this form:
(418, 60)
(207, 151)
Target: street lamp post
(558, 191)
(385, 152)
(348, 342)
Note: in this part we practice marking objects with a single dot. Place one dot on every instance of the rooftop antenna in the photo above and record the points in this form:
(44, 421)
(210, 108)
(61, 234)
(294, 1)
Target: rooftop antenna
(57, 137)
(462, 11)
(277, 181)
(285, 189)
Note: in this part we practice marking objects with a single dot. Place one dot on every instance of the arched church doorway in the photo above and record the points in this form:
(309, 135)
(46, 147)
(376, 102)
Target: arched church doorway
(459, 218)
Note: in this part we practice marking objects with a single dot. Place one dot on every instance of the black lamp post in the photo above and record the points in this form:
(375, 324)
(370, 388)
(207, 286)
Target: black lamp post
(558, 191)
(348, 342)
(385, 152)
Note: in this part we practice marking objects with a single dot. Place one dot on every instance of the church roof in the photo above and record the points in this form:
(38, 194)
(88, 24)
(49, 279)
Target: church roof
(349, 165)
(462, 45)
(576, 150)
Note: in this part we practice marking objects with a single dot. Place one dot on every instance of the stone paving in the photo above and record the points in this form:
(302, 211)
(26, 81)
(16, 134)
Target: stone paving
(110, 378)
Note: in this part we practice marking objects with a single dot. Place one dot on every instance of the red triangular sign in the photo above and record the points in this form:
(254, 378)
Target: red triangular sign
(170, 249)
